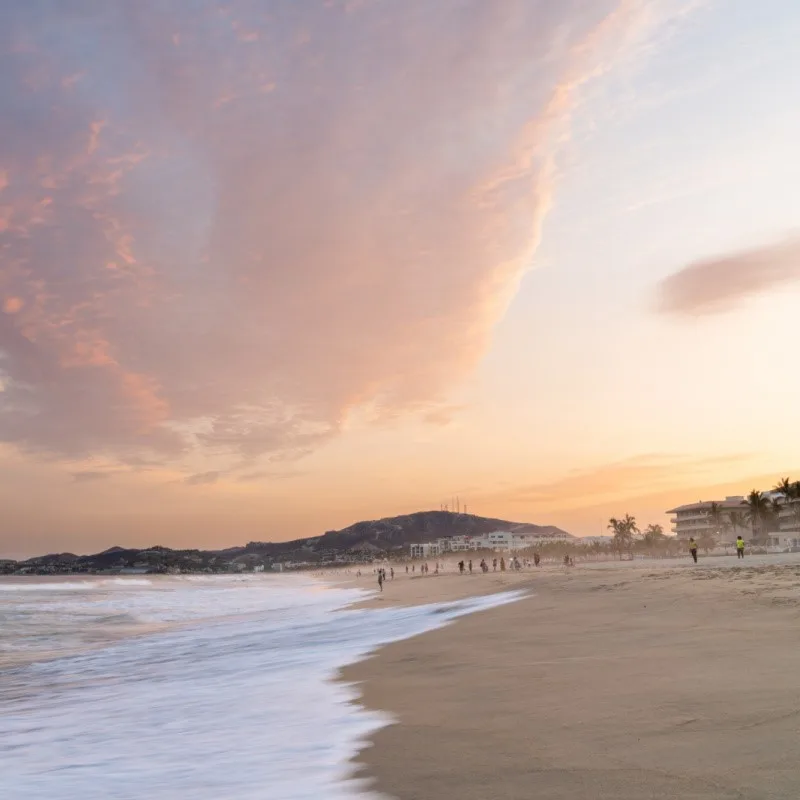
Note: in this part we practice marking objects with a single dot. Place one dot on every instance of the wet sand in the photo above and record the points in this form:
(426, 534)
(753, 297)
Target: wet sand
(611, 681)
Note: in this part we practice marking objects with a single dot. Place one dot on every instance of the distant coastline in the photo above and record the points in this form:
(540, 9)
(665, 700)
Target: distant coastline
(361, 543)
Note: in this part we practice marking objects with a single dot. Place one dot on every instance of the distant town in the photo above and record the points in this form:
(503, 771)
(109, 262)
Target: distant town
(768, 521)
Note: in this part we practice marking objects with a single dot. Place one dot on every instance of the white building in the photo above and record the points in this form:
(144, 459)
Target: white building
(692, 519)
(425, 550)
(455, 544)
(500, 541)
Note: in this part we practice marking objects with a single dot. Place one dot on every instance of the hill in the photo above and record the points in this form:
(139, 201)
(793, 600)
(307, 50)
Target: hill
(395, 533)
(356, 543)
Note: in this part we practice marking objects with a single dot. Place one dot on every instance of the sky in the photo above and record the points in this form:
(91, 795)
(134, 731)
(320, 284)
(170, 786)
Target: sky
(269, 267)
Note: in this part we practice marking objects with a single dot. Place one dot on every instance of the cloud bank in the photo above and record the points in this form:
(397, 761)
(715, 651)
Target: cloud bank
(719, 284)
(225, 225)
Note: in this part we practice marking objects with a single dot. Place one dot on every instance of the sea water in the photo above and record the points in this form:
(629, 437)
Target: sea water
(202, 688)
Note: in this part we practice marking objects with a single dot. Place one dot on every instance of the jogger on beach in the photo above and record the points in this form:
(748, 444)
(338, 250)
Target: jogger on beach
(693, 548)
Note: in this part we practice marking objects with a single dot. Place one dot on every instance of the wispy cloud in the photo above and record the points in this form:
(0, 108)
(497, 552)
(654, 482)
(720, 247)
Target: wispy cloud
(202, 479)
(719, 284)
(643, 474)
(194, 262)
(269, 475)
(89, 476)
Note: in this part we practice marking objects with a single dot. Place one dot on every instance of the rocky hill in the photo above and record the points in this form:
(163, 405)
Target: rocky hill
(359, 542)
(395, 533)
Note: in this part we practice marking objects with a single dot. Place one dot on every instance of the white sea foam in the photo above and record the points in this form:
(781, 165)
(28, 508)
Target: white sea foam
(239, 704)
(38, 586)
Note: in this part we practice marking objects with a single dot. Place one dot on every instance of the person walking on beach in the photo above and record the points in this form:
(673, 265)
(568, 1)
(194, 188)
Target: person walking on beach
(391, 572)
(380, 579)
(461, 567)
(536, 559)
(693, 548)
(494, 565)
(739, 546)
(470, 566)
(502, 564)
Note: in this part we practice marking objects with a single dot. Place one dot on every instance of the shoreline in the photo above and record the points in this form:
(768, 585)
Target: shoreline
(604, 683)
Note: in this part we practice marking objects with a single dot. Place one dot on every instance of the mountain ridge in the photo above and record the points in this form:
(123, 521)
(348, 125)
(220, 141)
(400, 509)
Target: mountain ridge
(355, 543)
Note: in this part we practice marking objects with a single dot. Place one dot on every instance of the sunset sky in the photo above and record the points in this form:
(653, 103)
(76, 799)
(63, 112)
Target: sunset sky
(268, 267)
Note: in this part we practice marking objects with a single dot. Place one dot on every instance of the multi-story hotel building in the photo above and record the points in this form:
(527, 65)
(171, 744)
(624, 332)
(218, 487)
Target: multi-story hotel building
(692, 518)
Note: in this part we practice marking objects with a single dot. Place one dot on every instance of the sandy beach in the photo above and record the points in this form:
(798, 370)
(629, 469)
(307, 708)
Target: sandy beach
(633, 680)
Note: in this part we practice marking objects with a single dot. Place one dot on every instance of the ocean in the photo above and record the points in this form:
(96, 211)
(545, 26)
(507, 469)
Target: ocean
(206, 688)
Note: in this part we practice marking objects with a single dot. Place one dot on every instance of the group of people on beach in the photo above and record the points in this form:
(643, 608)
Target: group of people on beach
(513, 564)
(423, 568)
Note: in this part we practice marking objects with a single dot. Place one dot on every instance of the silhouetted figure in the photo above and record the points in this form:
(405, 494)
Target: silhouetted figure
(502, 564)
(380, 579)
(461, 567)
(739, 546)
(470, 566)
(693, 548)
(536, 559)
(494, 565)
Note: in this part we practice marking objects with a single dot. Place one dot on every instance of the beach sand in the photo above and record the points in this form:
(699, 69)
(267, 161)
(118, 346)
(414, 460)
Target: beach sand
(609, 681)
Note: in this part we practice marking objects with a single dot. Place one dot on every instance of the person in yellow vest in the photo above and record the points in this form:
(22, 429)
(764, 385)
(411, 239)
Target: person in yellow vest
(693, 548)
(739, 546)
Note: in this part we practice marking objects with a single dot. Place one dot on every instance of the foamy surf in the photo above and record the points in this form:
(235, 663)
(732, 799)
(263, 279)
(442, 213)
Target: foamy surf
(236, 700)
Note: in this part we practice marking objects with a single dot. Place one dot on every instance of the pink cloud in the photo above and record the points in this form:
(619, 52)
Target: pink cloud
(11, 305)
(719, 284)
(236, 277)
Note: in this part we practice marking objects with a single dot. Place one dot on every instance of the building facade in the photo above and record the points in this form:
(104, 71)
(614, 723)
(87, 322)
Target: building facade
(692, 519)
(499, 541)
(425, 549)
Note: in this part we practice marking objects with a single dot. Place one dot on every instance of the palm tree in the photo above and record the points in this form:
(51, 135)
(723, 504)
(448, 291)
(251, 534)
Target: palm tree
(716, 518)
(737, 520)
(624, 531)
(790, 490)
(653, 536)
(757, 512)
(787, 488)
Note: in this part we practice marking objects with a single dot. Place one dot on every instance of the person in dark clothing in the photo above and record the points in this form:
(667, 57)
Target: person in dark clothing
(380, 579)
(461, 567)
(693, 548)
